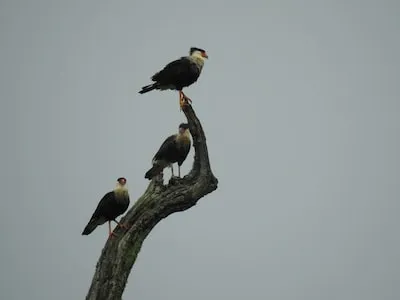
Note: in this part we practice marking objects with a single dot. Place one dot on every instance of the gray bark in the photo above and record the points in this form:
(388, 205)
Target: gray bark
(158, 202)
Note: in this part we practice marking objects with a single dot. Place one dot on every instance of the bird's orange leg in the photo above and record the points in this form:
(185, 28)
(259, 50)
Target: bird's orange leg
(186, 98)
(181, 100)
(110, 233)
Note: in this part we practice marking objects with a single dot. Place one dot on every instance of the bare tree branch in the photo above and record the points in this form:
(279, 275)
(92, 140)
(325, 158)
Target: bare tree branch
(158, 202)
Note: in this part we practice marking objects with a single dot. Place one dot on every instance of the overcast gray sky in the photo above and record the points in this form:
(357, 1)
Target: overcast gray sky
(300, 104)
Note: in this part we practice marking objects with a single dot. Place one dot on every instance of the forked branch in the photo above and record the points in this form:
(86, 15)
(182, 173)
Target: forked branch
(157, 202)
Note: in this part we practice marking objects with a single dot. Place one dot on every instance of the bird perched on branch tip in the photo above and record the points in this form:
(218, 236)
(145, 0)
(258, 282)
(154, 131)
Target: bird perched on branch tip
(112, 205)
(174, 149)
(178, 74)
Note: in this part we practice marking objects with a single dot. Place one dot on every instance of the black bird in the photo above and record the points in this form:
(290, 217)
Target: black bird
(112, 205)
(174, 149)
(178, 74)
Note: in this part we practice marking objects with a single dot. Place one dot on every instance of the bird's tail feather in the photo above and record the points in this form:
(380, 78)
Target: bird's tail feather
(148, 88)
(154, 171)
(90, 227)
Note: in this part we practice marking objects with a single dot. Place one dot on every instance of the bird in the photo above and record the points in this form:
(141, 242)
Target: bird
(174, 149)
(112, 205)
(178, 74)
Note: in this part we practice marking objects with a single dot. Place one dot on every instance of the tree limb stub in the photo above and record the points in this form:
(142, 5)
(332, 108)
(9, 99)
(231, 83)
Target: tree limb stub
(157, 202)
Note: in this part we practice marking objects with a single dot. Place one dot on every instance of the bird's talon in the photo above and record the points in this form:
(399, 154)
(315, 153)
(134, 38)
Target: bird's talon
(182, 101)
(174, 180)
(123, 226)
(111, 235)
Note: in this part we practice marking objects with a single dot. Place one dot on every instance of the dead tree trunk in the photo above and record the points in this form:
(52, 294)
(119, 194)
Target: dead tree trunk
(158, 202)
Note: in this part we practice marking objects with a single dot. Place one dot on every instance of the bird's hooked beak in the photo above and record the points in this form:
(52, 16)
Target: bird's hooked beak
(204, 54)
(182, 130)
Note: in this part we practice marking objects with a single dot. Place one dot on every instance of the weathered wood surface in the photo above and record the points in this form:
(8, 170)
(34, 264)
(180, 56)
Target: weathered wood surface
(158, 202)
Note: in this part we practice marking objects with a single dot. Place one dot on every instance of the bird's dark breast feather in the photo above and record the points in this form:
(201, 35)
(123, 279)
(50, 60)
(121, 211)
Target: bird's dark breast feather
(179, 73)
(122, 203)
(110, 207)
(183, 152)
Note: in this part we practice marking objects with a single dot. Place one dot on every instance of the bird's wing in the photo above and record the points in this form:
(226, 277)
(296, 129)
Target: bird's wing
(104, 205)
(174, 71)
(166, 146)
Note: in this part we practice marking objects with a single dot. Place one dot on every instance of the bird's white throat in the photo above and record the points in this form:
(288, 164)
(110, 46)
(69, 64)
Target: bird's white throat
(121, 189)
(184, 136)
(197, 58)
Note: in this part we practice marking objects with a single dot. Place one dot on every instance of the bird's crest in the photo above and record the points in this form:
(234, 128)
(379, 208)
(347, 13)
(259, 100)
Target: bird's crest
(193, 49)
